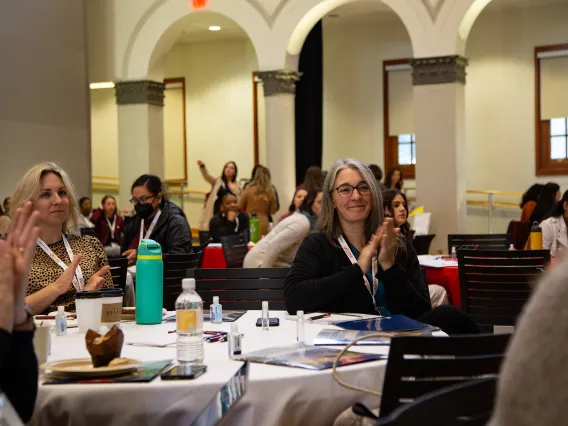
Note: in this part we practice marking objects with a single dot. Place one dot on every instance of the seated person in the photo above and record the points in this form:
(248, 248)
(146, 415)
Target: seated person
(62, 264)
(554, 230)
(278, 248)
(109, 226)
(18, 363)
(299, 196)
(353, 264)
(156, 219)
(229, 221)
(84, 214)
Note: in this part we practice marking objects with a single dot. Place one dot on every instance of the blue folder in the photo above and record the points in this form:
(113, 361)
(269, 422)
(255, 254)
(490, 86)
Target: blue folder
(394, 323)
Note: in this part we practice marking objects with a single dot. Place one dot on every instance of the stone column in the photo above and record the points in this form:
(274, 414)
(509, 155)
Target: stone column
(140, 132)
(279, 92)
(439, 88)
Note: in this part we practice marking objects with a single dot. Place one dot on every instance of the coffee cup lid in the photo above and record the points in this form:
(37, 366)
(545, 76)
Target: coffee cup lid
(112, 292)
(88, 295)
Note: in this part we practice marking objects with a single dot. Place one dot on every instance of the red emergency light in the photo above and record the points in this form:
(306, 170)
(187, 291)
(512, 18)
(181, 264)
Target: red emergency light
(199, 4)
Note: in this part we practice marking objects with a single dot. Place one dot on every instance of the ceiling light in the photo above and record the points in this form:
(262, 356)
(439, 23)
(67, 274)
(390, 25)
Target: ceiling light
(102, 85)
(214, 28)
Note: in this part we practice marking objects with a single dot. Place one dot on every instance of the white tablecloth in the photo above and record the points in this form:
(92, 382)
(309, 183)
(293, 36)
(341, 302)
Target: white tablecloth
(275, 395)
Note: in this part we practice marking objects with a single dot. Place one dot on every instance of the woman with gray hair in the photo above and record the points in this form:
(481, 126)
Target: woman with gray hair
(357, 262)
(62, 264)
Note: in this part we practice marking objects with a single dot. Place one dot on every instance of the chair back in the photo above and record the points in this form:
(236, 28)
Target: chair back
(418, 365)
(241, 289)
(203, 237)
(175, 267)
(235, 248)
(118, 271)
(521, 232)
(495, 285)
(422, 243)
(91, 232)
(479, 241)
(465, 404)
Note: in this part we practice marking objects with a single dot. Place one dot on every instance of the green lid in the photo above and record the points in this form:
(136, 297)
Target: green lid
(149, 248)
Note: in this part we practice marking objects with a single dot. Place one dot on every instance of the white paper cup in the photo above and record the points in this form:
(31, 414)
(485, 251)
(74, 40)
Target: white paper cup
(89, 310)
(42, 342)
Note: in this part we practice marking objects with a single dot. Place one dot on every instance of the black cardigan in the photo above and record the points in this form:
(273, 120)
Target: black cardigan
(18, 371)
(220, 226)
(322, 279)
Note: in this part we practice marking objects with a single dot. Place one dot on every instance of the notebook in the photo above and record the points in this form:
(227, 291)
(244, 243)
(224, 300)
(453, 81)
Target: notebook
(333, 319)
(224, 400)
(392, 324)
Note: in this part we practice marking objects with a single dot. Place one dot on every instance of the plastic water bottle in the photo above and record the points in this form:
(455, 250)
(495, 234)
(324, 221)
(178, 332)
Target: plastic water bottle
(300, 339)
(149, 283)
(216, 311)
(536, 237)
(235, 341)
(254, 226)
(454, 254)
(265, 316)
(189, 314)
(512, 247)
(61, 321)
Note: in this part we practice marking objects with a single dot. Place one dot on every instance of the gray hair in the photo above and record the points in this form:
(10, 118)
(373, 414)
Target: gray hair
(328, 221)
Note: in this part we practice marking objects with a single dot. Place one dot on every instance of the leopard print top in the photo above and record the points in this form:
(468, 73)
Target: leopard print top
(45, 271)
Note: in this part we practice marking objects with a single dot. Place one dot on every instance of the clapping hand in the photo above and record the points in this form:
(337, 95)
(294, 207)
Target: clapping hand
(388, 236)
(98, 279)
(368, 253)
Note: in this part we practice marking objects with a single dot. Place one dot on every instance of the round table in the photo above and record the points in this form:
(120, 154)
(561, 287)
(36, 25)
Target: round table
(275, 395)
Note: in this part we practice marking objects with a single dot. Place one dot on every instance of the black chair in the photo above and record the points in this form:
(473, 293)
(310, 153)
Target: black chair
(91, 232)
(175, 270)
(495, 285)
(521, 232)
(422, 243)
(418, 365)
(241, 289)
(466, 404)
(204, 238)
(235, 248)
(479, 241)
(118, 270)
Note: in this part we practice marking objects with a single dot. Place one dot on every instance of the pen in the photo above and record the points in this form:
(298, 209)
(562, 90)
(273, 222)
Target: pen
(317, 317)
(216, 338)
(215, 332)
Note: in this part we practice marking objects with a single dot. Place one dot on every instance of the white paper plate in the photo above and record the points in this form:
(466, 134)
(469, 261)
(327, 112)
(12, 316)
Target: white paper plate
(83, 367)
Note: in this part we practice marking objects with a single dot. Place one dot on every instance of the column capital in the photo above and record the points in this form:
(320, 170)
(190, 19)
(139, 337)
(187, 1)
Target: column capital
(279, 81)
(139, 92)
(438, 70)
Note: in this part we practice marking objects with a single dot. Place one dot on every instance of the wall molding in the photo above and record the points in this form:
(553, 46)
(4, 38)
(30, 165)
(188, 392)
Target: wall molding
(439, 70)
(270, 18)
(139, 92)
(433, 9)
(279, 82)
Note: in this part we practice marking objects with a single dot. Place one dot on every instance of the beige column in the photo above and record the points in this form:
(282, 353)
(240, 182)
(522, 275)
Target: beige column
(439, 86)
(279, 93)
(140, 132)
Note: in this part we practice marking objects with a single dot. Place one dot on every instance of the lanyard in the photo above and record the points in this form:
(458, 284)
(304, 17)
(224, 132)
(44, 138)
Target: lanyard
(353, 260)
(78, 280)
(151, 228)
(112, 227)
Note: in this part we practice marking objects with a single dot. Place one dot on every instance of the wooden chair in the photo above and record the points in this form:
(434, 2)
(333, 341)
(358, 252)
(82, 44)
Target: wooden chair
(241, 289)
(118, 270)
(422, 243)
(495, 285)
(465, 404)
(418, 365)
(479, 241)
(175, 270)
(235, 248)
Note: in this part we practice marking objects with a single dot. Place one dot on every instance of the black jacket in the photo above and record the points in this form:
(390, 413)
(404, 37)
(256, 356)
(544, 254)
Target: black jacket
(18, 371)
(322, 279)
(172, 230)
(220, 226)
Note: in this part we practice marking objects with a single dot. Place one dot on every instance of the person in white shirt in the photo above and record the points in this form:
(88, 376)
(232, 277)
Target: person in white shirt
(84, 216)
(278, 248)
(554, 230)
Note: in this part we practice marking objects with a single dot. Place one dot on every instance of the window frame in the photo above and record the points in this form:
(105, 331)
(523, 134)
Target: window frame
(544, 165)
(390, 153)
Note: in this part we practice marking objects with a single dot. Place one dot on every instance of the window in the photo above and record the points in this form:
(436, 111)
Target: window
(551, 110)
(406, 149)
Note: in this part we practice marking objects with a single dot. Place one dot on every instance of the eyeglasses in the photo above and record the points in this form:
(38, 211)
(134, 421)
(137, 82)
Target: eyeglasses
(142, 200)
(346, 190)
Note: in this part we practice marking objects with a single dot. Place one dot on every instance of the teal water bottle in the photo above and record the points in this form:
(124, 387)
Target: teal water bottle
(254, 225)
(149, 283)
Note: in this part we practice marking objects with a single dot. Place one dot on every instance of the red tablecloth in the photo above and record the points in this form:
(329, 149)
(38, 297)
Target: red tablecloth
(213, 257)
(448, 278)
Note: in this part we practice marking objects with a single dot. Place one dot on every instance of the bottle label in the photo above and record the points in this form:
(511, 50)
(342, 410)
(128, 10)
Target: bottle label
(218, 314)
(236, 344)
(186, 321)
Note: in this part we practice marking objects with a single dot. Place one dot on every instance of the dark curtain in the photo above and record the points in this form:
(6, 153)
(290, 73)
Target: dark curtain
(309, 104)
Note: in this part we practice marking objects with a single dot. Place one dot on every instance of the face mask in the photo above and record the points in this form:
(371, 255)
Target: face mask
(144, 210)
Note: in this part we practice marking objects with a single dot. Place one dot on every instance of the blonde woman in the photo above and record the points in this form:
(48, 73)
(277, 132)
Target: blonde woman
(260, 198)
(62, 264)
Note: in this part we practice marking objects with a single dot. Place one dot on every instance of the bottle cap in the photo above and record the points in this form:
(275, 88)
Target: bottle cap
(61, 309)
(188, 284)
(234, 327)
(512, 247)
(215, 300)
(300, 314)
(265, 305)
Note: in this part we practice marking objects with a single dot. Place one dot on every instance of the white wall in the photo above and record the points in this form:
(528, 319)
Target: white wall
(219, 109)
